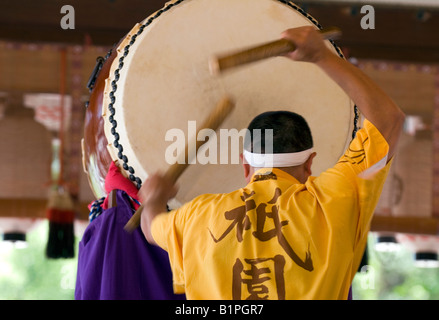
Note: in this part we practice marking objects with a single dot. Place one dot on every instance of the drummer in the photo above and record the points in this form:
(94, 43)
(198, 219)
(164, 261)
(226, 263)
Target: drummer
(286, 235)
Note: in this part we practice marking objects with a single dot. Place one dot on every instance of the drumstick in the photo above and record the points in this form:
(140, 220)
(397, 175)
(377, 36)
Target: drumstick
(218, 64)
(216, 117)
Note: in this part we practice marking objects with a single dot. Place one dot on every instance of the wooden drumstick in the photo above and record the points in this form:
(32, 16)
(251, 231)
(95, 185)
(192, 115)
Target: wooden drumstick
(216, 117)
(218, 64)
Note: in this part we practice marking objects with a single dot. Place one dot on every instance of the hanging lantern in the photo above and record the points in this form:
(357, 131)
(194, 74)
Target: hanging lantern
(424, 248)
(26, 154)
(386, 242)
(413, 167)
(14, 231)
(405, 205)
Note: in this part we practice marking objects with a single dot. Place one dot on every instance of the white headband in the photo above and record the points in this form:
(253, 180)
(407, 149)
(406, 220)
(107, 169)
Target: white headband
(277, 160)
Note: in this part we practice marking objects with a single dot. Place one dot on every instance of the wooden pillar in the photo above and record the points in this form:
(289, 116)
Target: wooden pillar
(435, 128)
(76, 124)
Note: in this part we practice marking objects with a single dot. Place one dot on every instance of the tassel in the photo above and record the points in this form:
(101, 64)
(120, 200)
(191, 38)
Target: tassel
(61, 215)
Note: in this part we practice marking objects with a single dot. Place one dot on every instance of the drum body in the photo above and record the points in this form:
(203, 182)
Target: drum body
(95, 158)
(157, 83)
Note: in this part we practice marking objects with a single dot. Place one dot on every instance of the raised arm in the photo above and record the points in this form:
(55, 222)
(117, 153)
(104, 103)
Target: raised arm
(154, 194)
(373, 103)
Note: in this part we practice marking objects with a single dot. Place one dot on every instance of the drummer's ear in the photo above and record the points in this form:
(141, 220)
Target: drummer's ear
(246, 167)
(308, 163)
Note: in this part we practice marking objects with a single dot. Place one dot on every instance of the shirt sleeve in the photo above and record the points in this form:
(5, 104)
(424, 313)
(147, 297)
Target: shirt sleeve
(350, 190)
(167, 231)
(365, 165)
(366, 155)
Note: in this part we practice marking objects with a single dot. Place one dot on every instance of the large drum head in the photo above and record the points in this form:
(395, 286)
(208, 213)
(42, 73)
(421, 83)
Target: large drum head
(160, 80)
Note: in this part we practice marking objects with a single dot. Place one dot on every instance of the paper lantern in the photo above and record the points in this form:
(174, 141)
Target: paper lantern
(405, 205)
(425, 249)
(25, 170)
(14, 230)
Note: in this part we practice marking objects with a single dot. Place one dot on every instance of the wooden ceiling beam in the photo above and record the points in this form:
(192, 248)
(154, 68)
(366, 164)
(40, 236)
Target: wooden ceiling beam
(401, 33)
(48, 34)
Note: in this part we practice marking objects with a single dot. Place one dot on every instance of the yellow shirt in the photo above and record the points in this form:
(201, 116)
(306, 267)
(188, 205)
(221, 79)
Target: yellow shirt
(277, 238)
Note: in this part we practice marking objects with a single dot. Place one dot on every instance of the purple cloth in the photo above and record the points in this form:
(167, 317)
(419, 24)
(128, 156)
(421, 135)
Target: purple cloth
(116, 265)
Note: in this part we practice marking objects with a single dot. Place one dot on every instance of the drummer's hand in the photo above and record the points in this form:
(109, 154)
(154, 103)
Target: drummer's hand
(154, 194)
(157, 190)
(310, 46)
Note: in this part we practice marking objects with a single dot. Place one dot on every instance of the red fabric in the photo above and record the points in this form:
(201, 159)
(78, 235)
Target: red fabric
(60, 216)
(115, 180)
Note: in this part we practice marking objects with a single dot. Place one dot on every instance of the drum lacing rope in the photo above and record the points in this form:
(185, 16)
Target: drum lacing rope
(111, 108)
(95, 73)
(96, 207)
(126, 50)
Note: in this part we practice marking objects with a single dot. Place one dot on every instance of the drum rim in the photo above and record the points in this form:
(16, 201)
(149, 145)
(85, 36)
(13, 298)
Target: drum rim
(114, 76)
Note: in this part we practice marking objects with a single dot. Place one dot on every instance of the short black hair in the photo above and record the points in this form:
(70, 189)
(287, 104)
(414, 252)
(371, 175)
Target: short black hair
(291, 132)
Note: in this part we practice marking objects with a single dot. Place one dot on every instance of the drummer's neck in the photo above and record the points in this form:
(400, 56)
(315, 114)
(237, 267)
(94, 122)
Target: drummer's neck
(298, 172)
